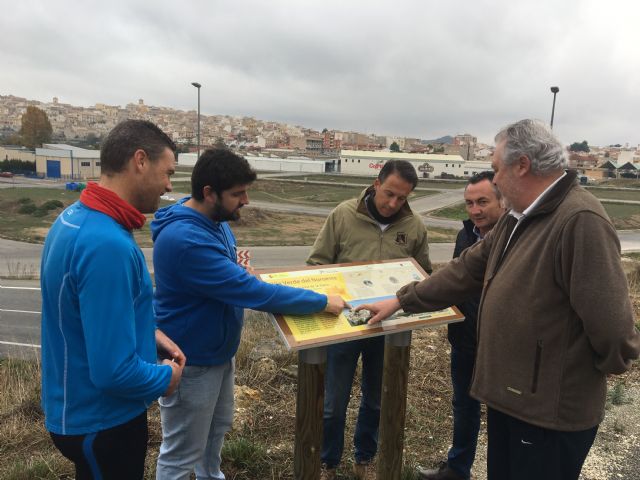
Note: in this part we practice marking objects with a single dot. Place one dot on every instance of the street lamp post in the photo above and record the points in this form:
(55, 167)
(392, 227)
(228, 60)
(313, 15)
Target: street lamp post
(197, 85)
(554, 90)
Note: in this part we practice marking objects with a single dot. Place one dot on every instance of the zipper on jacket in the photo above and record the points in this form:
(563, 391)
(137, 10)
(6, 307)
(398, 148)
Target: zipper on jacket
(536, 366)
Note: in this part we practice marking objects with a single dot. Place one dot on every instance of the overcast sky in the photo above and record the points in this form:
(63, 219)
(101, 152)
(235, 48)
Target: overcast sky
(418, 68)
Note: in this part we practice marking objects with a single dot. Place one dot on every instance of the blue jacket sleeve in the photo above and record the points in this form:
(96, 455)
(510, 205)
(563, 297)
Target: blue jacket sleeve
(109, 284)
(208, 271)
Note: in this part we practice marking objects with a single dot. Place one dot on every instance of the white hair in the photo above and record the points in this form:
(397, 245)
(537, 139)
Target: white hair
(534, 139)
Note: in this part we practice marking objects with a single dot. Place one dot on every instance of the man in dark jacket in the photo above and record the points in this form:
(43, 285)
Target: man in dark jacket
(484, 207)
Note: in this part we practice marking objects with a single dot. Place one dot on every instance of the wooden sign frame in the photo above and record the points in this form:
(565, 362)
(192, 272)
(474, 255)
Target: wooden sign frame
(395, 324)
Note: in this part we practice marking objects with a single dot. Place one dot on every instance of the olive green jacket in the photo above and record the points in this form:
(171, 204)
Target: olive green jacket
(555, 315)
(350, 235)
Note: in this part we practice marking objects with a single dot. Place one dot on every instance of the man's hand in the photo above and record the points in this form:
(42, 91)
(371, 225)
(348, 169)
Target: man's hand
(176, 374)
(167, 349)
(335, 304)
(381, 310)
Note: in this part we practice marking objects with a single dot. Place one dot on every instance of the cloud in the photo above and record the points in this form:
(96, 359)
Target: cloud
(408, 67)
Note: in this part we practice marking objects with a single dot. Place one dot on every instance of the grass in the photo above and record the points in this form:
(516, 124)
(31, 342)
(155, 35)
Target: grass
(366, 180)
(27, 213)
(620, 183)
(40, 207)
(623, 216)
(617, 394)
(21, 271)
(260, 446)
(453, 212)
(612, 194)
(308, 194)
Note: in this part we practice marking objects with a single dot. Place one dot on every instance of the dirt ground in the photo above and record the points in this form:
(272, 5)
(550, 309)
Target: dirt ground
(616, 451)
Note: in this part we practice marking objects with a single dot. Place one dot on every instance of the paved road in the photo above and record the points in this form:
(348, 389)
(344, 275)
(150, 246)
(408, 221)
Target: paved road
(20, 300)
(19, 319)
(23, 259)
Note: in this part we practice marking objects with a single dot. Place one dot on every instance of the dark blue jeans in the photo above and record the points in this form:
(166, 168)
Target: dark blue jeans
(341, 365)
(466, 414)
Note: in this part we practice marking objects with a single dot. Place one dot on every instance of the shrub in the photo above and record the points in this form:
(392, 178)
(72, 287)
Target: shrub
(40, 211)
(25, 200)
(52, 204)
(27, 209)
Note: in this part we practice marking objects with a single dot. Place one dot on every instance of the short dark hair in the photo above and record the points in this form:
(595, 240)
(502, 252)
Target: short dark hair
(480, 176)
(129, 136)
(402, 168)
(221, 169)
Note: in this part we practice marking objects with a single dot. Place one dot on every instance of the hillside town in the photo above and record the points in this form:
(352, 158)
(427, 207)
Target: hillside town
(270, 145)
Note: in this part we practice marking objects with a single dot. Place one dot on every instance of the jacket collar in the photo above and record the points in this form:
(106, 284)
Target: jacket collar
(556, 195)
(361, 208)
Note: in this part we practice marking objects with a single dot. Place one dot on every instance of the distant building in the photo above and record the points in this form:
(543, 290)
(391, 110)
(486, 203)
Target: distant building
(274, 163)
(67, 162)
(332, 140)
(13, 152)
(466, 145)
(358, 162)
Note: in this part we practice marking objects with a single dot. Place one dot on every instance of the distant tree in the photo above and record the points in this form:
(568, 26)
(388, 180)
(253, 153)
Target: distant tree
(12, 139)
(324, 130)
(36, 128)
(92, 140)
(394, 147)
(579, 146)
(220, 143)
(17, 166)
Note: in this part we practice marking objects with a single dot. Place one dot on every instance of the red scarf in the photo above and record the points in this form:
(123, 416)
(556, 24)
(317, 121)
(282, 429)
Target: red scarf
(107, 202)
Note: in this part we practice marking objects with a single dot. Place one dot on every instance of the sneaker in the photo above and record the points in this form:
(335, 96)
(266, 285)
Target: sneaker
(327, 473)
(364, 471)
(443, 472)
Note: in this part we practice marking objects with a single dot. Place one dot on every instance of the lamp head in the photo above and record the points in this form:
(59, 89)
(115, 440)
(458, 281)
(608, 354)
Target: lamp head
(196, 84)
(555, 89)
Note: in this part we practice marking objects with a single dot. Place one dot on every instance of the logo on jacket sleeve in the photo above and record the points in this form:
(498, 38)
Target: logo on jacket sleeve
(401, 238)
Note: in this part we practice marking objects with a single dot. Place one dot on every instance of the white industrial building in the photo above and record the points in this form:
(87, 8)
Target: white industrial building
(273, 164)
(359, 162)
(57, 160)
(475, 166)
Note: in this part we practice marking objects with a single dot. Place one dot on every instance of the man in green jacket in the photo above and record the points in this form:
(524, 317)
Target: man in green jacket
(555, 316)
(379, 225)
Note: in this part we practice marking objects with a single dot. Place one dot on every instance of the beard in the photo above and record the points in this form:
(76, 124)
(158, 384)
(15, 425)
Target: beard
(221, 214)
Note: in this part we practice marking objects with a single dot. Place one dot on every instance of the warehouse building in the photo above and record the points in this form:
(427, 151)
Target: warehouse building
(274, 164)
(359, 162)
(66, 162)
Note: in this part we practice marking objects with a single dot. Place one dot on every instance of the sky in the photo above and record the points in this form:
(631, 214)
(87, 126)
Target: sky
(423, 68)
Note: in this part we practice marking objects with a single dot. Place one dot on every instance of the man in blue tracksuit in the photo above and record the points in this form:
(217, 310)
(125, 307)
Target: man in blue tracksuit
(99, 342)
(201, 292)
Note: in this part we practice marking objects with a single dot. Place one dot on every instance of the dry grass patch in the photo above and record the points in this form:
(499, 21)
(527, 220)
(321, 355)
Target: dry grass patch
(260, 446)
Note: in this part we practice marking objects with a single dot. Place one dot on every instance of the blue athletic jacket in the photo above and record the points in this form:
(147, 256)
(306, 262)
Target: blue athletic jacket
(98, 334)
(201, 290)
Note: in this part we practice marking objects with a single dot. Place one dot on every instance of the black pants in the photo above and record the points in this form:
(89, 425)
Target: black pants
(518, 450)
(117, 453)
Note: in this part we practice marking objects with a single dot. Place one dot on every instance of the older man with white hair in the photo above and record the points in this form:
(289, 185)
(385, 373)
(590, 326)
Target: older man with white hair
(555, 316)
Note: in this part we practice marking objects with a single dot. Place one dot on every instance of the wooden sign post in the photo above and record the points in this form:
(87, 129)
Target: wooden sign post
(309, 407)
(393, 408)
(358, 283)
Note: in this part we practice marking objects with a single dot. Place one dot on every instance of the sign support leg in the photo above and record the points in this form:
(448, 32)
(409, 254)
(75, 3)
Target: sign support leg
(309, 409)
(395, 378)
